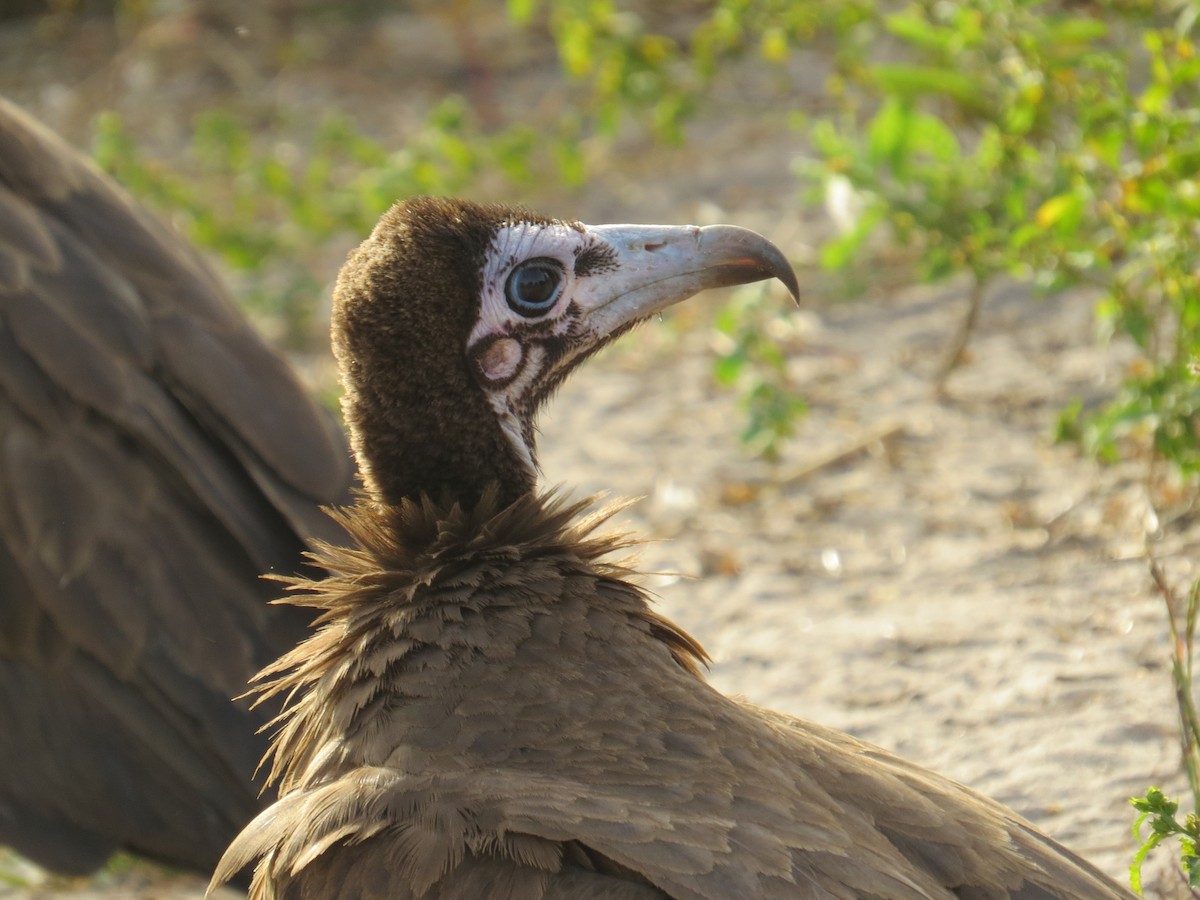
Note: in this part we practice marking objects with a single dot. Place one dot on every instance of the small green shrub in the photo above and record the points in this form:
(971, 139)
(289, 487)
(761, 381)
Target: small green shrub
(1155, 809)
(1158, 811)
(1046, 141)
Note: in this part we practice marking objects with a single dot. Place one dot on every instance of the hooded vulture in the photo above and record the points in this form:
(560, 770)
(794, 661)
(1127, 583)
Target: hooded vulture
(489, 707)
(155, 458)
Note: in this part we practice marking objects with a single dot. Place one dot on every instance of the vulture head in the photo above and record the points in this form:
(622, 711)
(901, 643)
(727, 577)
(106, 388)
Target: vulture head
(454, 321)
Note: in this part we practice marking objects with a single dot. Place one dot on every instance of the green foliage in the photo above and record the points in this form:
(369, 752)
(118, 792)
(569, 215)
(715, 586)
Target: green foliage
(1155, 808)
(966, 153)
(1159, 811)
(660, 78)
(1025, 139)
(1143, 165)
(271, 209)
(750, 359)
(626, 66)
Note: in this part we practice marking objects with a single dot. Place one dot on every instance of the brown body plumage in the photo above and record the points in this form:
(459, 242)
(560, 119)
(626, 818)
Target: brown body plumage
(489, 707)
(155, 458)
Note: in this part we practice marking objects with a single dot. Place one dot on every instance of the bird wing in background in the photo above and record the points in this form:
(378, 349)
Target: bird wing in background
(155, 458)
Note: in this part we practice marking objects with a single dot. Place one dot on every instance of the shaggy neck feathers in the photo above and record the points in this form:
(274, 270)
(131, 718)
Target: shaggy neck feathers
(429, 589)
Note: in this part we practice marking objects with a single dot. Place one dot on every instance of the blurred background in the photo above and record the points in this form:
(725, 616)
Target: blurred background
(919, 508)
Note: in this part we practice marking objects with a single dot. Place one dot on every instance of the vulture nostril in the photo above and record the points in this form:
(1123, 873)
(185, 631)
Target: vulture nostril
(650, 248)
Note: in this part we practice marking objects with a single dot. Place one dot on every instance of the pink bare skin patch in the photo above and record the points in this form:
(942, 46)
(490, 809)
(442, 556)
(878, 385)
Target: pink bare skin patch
(501, 360)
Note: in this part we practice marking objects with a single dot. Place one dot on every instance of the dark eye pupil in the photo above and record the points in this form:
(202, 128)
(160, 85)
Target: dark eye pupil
(533, 287)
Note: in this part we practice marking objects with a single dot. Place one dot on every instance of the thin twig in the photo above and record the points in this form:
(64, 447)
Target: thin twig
(1181, 671)
(881, 432)
(962, 336)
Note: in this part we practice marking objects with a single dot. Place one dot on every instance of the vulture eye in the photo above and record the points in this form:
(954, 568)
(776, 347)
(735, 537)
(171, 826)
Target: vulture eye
(533, 286)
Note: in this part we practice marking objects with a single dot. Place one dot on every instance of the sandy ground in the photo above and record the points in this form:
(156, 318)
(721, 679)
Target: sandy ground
(931, 574)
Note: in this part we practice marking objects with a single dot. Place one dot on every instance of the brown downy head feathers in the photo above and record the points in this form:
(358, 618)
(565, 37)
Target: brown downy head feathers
(404, 305)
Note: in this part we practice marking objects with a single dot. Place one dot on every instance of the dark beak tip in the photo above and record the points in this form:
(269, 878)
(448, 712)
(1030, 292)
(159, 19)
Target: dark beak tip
(788, 277)
(775, 265)
(771, 262)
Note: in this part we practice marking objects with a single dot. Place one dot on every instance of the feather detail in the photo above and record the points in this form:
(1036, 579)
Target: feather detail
(489, 707)
(395, 581)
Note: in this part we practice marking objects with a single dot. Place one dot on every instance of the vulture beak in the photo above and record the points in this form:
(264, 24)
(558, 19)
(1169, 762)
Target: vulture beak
(656, 266)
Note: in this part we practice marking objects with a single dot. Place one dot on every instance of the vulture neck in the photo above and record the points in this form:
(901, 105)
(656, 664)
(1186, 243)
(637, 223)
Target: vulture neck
(420, 424)
(412, 447)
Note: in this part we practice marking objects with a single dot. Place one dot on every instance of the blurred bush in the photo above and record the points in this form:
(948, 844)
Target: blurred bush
(270, 208)
(1053, 142)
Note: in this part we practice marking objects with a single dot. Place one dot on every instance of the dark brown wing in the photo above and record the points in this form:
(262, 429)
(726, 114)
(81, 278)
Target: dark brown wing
(155, 458)
(774, 810)
(531, 723)
(856, 823)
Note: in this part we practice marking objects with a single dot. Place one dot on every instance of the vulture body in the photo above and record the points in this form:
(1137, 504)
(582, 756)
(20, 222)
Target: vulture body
(155, 458)
(489, 707)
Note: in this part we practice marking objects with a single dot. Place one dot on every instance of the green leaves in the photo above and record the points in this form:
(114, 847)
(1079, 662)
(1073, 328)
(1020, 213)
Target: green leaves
(840, 252)
(1012, 137)
(912, 82)
(901, 136)
(1159, 811)
(1062, 212)
(626, 69)
(751, 359)
(271, 207)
